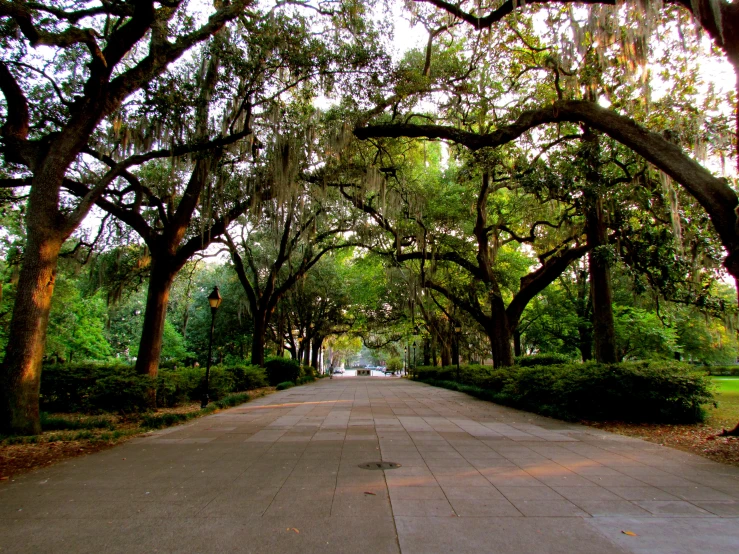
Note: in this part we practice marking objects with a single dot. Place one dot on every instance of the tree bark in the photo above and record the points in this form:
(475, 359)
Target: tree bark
(306, 352)
(446, 353)
(163, 272)
(21, 371)
(257, 346)
(583, 311)
(315, 350)
(500, 333)
(604, 331)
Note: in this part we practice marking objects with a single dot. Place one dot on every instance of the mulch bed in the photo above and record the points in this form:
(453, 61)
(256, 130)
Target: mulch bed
(16, 459)
(696, 438)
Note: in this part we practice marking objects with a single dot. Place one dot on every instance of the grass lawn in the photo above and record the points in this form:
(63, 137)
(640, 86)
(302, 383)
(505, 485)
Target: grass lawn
(727, 395)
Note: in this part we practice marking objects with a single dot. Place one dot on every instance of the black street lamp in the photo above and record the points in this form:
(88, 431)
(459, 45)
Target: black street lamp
(457, 331)
(405, 359)
(414, 356)
(214, 299)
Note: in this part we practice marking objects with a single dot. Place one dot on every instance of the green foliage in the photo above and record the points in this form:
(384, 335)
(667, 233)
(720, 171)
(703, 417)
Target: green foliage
(641, 335)
(282, 369)
(285, 385)
(125, 393)
(247, 377)
(547, 358)
(305, 379)
(68, 387)
(654, 391)
(159, 421)
(395, 365)
(730, 370)
(307, 371)
(76, 323)
(58, 423)
(95, 387)
(231, 400)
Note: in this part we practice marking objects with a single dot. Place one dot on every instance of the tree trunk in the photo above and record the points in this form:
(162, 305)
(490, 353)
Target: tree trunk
(446, 353)
(426, 351)
(604, 330)
(500, 333)
(150, 346)
(582, 308)
(315, 351)
(306, 352)
(516, 342)
(20, 380)
(257, 343)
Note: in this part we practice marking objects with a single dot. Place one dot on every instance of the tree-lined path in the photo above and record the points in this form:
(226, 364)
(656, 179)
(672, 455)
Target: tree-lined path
(281, 474)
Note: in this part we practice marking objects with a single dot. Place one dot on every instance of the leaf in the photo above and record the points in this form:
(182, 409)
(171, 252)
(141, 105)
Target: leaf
(367, 492)
(293, 529)
(630, 533)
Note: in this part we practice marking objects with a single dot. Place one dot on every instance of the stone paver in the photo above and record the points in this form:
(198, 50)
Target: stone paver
(280, 474)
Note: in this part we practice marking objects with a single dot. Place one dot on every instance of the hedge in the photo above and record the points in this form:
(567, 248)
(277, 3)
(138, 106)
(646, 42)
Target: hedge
(99, 387)
(646, 391)
(280, 370)
(726, 370)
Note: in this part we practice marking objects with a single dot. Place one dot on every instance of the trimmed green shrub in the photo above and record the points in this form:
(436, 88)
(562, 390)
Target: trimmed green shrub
(285, 385)
(546, 358)
(725, 370)
(247, 377)
(95, 387)
(307, 371)
(394, 365)
(280, 370)
(67, 387)
(305, 379)
(646, 391)
(125, 392)
(177, 386)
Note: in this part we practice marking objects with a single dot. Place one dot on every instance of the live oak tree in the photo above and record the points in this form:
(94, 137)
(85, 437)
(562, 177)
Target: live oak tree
(246, 78)
(275, 250)
(713, 193)
(100, 53)
(315, 308)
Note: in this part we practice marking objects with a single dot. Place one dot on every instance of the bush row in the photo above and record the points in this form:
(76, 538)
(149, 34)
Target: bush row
(646, 391)
(726, 370)
(94, 387)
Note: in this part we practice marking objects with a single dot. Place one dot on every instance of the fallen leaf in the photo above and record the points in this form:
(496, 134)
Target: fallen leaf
(4, 478)
(367, 492)
(630, 533)
(293, 529)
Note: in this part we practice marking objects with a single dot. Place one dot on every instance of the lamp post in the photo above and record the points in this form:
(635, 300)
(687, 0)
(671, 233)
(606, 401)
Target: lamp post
(214, 299)
(457, 331)
(405, 359)
(323, 360)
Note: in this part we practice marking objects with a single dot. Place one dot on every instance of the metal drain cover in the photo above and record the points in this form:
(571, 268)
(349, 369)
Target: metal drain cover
(379, 465)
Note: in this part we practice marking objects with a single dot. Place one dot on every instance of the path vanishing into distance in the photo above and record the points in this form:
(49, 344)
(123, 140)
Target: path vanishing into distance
(282, 474)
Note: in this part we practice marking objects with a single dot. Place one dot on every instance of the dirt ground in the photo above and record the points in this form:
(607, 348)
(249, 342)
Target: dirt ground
(696, 438)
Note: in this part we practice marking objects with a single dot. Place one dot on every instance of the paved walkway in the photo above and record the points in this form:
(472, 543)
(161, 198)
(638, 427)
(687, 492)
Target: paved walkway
(281, 474)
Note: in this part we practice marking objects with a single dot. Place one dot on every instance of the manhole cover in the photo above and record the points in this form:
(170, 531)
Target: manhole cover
(379, 465)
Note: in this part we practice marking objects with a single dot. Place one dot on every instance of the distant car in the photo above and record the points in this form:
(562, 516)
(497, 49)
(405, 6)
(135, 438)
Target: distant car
(339, 371)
